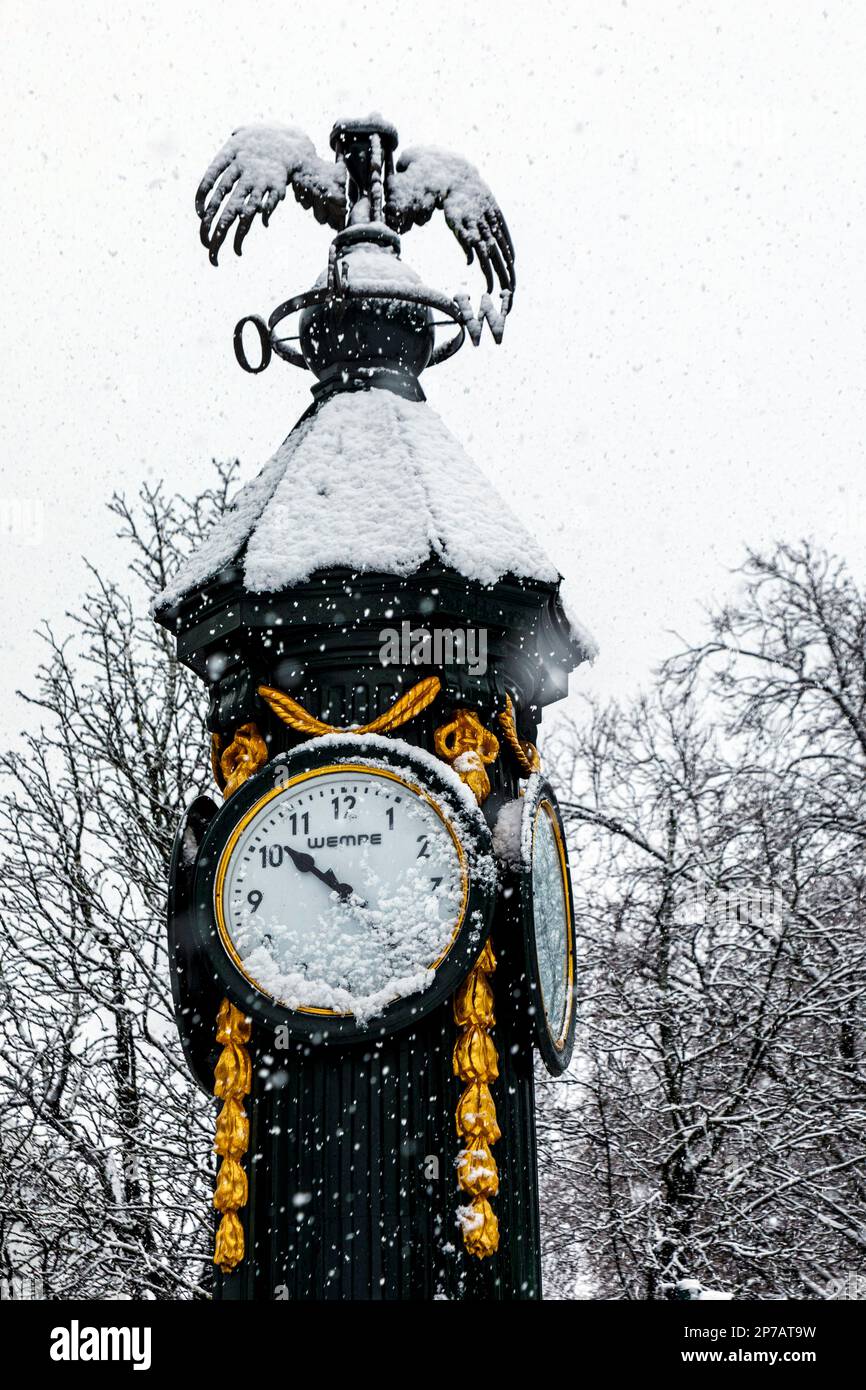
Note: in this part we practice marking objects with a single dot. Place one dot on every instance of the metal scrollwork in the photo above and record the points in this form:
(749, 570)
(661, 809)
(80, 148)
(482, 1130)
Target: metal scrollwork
(264, 344)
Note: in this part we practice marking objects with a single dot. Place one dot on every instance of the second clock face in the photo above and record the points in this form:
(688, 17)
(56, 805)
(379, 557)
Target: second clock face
(342, 891)
(553, 926)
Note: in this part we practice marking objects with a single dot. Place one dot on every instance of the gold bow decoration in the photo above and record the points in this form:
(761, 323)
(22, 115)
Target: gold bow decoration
(403, 709)
(525, 754)
(232, 1084)
(233, 763)
(469, 748)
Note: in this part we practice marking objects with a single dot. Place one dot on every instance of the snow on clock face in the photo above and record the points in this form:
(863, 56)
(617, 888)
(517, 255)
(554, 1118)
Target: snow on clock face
(341, 891)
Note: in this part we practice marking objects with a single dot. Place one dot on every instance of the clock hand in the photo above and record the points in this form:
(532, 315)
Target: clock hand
(329, 877)
(303, 862)
(306, 864)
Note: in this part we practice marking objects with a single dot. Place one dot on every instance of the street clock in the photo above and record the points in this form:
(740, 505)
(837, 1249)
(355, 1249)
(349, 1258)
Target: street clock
(344, 891)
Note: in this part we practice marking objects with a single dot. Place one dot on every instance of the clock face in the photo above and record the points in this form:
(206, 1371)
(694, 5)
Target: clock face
(552, 921)
(544, 908)
(341, 891)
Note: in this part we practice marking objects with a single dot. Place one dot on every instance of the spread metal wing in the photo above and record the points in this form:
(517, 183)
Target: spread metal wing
(252, 173)
(427, 178)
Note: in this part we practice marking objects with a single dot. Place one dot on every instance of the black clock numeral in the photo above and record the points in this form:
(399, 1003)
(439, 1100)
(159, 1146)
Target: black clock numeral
(348, 805)
(272, 856)
(435, 882)
(424, 851)
(390, 814)
(254, 898)
(305, 822)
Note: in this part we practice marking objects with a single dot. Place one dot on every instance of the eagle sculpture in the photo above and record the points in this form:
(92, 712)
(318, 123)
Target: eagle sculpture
(255, 168)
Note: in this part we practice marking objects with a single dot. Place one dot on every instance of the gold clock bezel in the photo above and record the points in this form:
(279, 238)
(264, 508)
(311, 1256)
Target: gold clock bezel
(270, 795)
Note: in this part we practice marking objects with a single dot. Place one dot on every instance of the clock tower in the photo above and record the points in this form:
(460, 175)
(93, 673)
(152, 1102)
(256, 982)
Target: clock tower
(370, 922)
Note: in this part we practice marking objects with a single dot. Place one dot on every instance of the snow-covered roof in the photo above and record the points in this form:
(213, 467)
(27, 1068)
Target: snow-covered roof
(372, 482)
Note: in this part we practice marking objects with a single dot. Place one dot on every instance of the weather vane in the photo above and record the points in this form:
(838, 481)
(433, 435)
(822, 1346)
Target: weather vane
(369, 201)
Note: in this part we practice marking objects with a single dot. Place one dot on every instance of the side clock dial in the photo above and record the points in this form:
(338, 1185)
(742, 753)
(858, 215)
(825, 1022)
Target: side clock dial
(546, 910)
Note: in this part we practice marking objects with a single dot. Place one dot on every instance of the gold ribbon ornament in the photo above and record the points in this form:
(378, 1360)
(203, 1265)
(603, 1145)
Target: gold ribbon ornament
(402, 710)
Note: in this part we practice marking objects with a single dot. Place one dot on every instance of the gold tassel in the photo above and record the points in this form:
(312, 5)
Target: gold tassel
(229, 1250)
(476, 1169)
(231, 1191)
(232, 1083)
(469, 748)
(474, 1001)
(525, 754)
(402, 710)
(233, 1130)
(476, 1063)
(476, 1113)
(480, 1228)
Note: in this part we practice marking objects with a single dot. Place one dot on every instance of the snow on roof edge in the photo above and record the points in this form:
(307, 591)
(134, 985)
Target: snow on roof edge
(374, 483)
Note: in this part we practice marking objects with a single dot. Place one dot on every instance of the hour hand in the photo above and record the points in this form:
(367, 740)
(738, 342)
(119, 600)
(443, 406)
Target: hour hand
(306, 864)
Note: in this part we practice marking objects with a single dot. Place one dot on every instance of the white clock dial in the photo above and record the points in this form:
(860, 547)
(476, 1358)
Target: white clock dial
(342, 891)
(552, 918)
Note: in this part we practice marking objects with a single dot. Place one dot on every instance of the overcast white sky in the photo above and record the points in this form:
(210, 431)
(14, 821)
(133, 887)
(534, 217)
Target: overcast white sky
(686, 187)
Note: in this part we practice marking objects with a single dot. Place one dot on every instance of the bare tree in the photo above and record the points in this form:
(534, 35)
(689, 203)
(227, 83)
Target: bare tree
(104, 1140)
(713, 1123)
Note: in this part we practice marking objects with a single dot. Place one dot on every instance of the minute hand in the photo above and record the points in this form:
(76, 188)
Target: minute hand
(306, 864)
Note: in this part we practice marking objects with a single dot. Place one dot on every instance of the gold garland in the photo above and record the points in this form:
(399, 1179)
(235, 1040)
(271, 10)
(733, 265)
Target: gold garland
(476, 1064)
(234, 763)
(402, 710)
(469, 748)
(233, 1082)
(526, 754)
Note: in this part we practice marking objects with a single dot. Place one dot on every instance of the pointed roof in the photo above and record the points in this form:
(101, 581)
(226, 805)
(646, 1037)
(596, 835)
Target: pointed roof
(373, 482)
